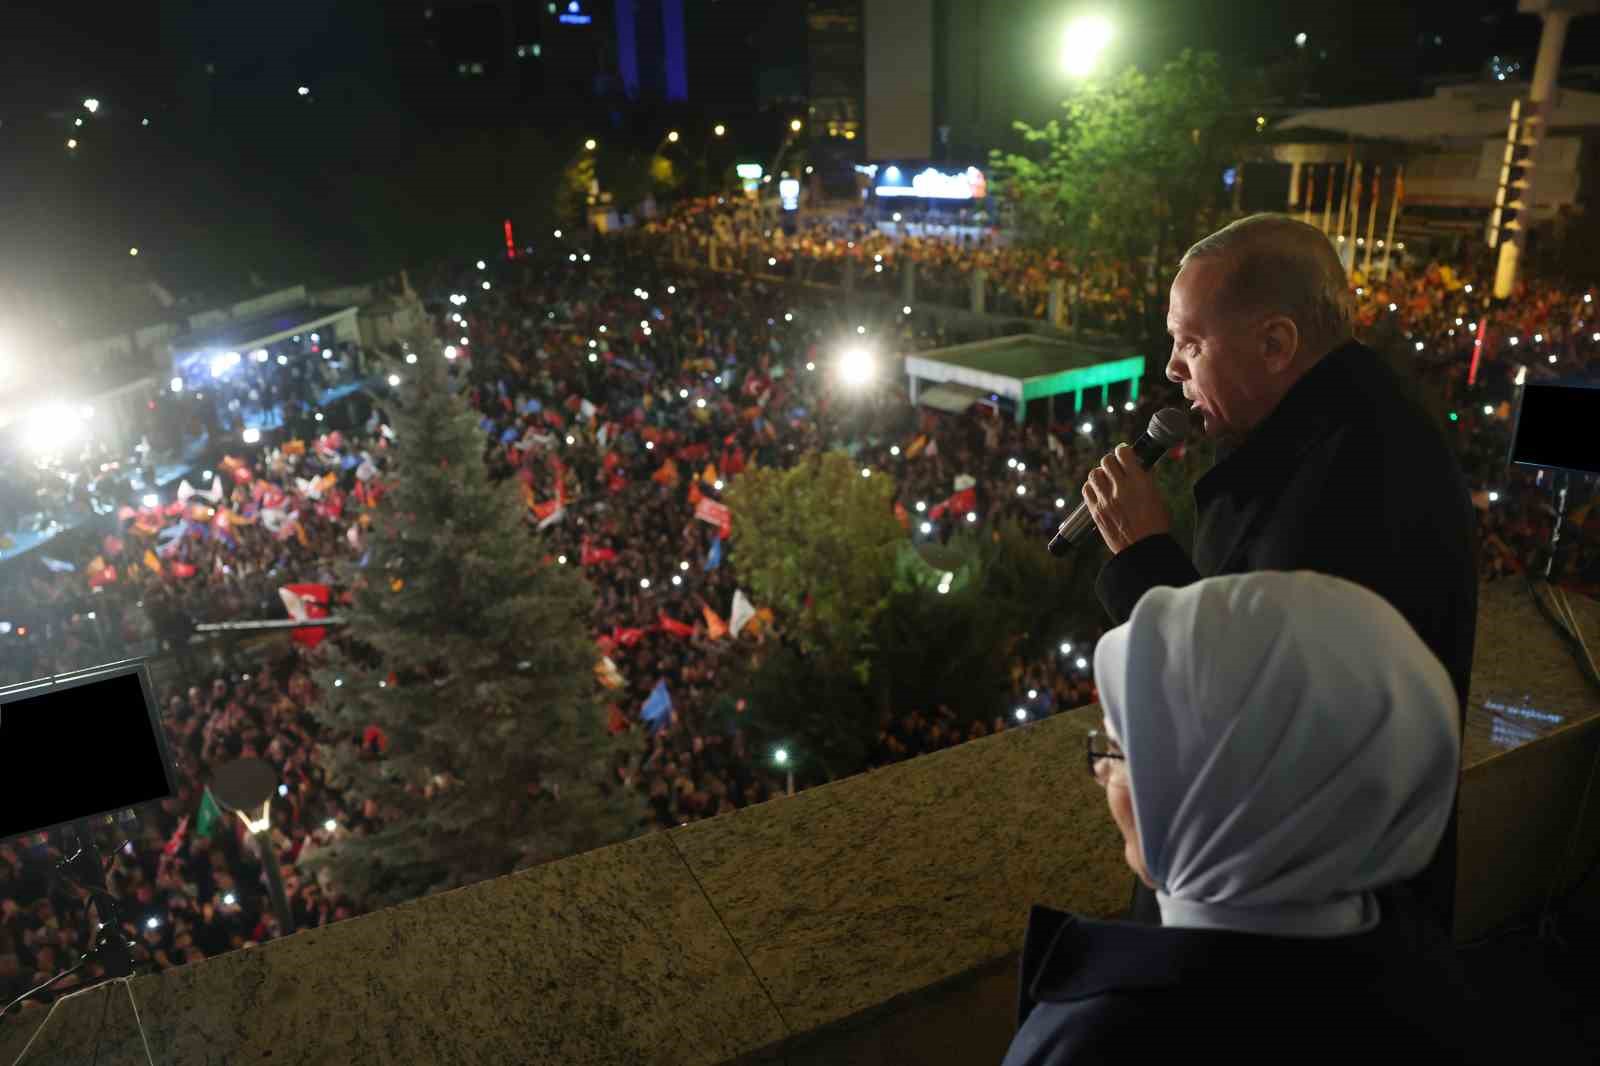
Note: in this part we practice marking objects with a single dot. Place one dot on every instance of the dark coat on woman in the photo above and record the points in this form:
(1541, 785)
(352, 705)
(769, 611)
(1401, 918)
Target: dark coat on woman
(1097, 993)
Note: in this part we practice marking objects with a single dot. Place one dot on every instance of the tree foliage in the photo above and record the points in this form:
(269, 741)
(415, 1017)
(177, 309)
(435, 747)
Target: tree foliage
(471, 653)
(1132, 169)
(817, 544)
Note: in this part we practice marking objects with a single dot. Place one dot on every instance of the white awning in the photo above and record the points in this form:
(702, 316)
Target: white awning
(951, 398)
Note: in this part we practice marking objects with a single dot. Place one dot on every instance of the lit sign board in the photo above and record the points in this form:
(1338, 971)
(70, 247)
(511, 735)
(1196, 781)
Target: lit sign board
(932, 184)
(748, 170)
(789, 193)
(574, 16)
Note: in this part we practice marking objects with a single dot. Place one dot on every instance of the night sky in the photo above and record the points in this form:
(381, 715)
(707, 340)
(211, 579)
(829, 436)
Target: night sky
(234, 170)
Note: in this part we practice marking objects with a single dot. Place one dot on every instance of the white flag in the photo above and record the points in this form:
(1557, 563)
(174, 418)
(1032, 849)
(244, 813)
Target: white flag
(965, 481)
(742, 612)
(185, 490)
(553, 517)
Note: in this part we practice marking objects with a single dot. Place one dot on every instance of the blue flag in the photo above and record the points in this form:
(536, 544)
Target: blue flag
(531, 407)
(657, 707)
(509, 435)
(57, 566)
(714, 557)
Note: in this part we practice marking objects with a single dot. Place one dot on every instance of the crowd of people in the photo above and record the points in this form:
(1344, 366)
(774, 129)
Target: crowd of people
(618, 389)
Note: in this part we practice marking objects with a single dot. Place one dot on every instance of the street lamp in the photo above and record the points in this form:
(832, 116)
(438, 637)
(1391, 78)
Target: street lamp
(855, 366)
(794, 125)
(672, 136)
(1085, 42)
(719, 129)
(781, 757)
(247, 785)
(91, 105)
(589, 144)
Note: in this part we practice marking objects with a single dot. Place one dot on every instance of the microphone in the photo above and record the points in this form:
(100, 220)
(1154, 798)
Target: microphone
(1168, 427)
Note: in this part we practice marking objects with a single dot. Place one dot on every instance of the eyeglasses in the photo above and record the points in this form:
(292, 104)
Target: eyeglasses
(1101, 753)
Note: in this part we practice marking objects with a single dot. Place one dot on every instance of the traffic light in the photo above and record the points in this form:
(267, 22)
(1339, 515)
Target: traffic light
(1512, 197)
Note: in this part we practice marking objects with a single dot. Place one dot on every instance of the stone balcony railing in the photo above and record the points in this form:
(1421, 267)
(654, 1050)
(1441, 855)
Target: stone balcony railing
(871, 920)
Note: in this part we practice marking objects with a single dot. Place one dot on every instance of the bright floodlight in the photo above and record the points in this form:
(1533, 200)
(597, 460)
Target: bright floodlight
(673, 136)
(855, 366)
(589, 144)
(52, 428)
(176, 384)
(1085, 41)
(252, 435)
(794, 125)
(91, 105)
(303, 91)
(719, 129)
(780, 756)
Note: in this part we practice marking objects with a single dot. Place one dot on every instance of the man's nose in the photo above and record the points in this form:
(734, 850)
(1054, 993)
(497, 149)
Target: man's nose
(1177, 371)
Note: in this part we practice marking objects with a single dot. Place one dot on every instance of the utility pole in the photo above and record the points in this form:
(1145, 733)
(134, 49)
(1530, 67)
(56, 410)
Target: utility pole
(1514, 199)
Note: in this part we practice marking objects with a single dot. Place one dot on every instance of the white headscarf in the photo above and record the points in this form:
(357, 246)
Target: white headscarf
(1291, 744)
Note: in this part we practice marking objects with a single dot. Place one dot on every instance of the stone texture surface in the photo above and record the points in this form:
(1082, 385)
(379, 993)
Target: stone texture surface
(1525, 682)
(612, 956)
(848, 895)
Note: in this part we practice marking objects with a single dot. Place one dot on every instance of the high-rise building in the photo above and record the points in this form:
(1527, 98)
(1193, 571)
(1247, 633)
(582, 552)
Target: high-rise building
(945, 79)
(651, 50)
(835, 85)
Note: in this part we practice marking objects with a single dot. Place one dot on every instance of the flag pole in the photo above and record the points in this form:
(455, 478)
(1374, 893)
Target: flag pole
(1372, 222)
(1394, 211)
(1327, 200)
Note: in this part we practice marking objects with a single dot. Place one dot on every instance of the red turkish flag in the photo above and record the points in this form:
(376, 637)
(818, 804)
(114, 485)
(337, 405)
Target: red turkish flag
(304, 603)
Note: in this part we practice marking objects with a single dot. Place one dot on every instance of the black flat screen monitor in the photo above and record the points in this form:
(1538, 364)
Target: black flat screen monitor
(1558, 426)
(80, 746)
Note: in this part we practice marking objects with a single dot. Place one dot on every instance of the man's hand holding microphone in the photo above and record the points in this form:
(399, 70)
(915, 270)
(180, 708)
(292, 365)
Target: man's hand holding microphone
(1120, 498)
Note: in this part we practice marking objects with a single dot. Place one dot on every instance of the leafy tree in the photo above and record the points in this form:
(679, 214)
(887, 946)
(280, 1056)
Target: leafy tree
(817, 543)
(572, 195)
(1132, 169)
(1010, 598)
(471, 653)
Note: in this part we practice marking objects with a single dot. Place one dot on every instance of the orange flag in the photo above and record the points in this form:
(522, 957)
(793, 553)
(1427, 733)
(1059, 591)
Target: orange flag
(716, 628)
(151, 561)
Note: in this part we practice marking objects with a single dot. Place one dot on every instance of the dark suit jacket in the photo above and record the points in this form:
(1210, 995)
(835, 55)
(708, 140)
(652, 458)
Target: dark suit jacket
(1347, 477)
(1115, 992)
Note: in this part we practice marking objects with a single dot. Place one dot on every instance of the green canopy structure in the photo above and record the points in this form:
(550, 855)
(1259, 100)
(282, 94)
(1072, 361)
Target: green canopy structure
(1022, 368)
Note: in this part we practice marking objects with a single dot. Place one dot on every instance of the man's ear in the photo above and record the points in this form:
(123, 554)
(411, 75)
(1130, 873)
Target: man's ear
(1280, 340)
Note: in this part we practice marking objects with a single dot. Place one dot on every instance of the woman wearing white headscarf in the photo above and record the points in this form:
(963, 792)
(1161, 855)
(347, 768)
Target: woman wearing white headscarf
(1280, 746)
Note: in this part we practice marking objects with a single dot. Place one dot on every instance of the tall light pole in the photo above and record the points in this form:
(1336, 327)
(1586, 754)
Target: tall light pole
(1527, 130)
(781, 757)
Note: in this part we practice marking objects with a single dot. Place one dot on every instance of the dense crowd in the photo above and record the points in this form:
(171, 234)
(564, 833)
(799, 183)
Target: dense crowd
(617, 390)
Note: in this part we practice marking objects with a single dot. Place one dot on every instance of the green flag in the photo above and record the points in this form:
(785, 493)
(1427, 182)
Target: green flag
(205, 822)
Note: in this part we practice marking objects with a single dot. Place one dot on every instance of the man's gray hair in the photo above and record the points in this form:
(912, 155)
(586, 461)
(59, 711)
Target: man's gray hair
(1279, 265)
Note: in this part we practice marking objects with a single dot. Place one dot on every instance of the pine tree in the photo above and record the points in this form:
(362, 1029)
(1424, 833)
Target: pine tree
(470, 650)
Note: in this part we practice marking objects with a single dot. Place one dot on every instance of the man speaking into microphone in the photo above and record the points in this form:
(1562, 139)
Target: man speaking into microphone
(1323, 462)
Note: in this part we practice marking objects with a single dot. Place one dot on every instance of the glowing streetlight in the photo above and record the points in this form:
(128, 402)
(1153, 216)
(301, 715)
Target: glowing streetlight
(72, 142)
(855, 366)
(91, 105)
(719, 129)
(794, 125)
(133, 251)
(1084, 43)
(589, 144)
(672, 137)
(304, 90)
